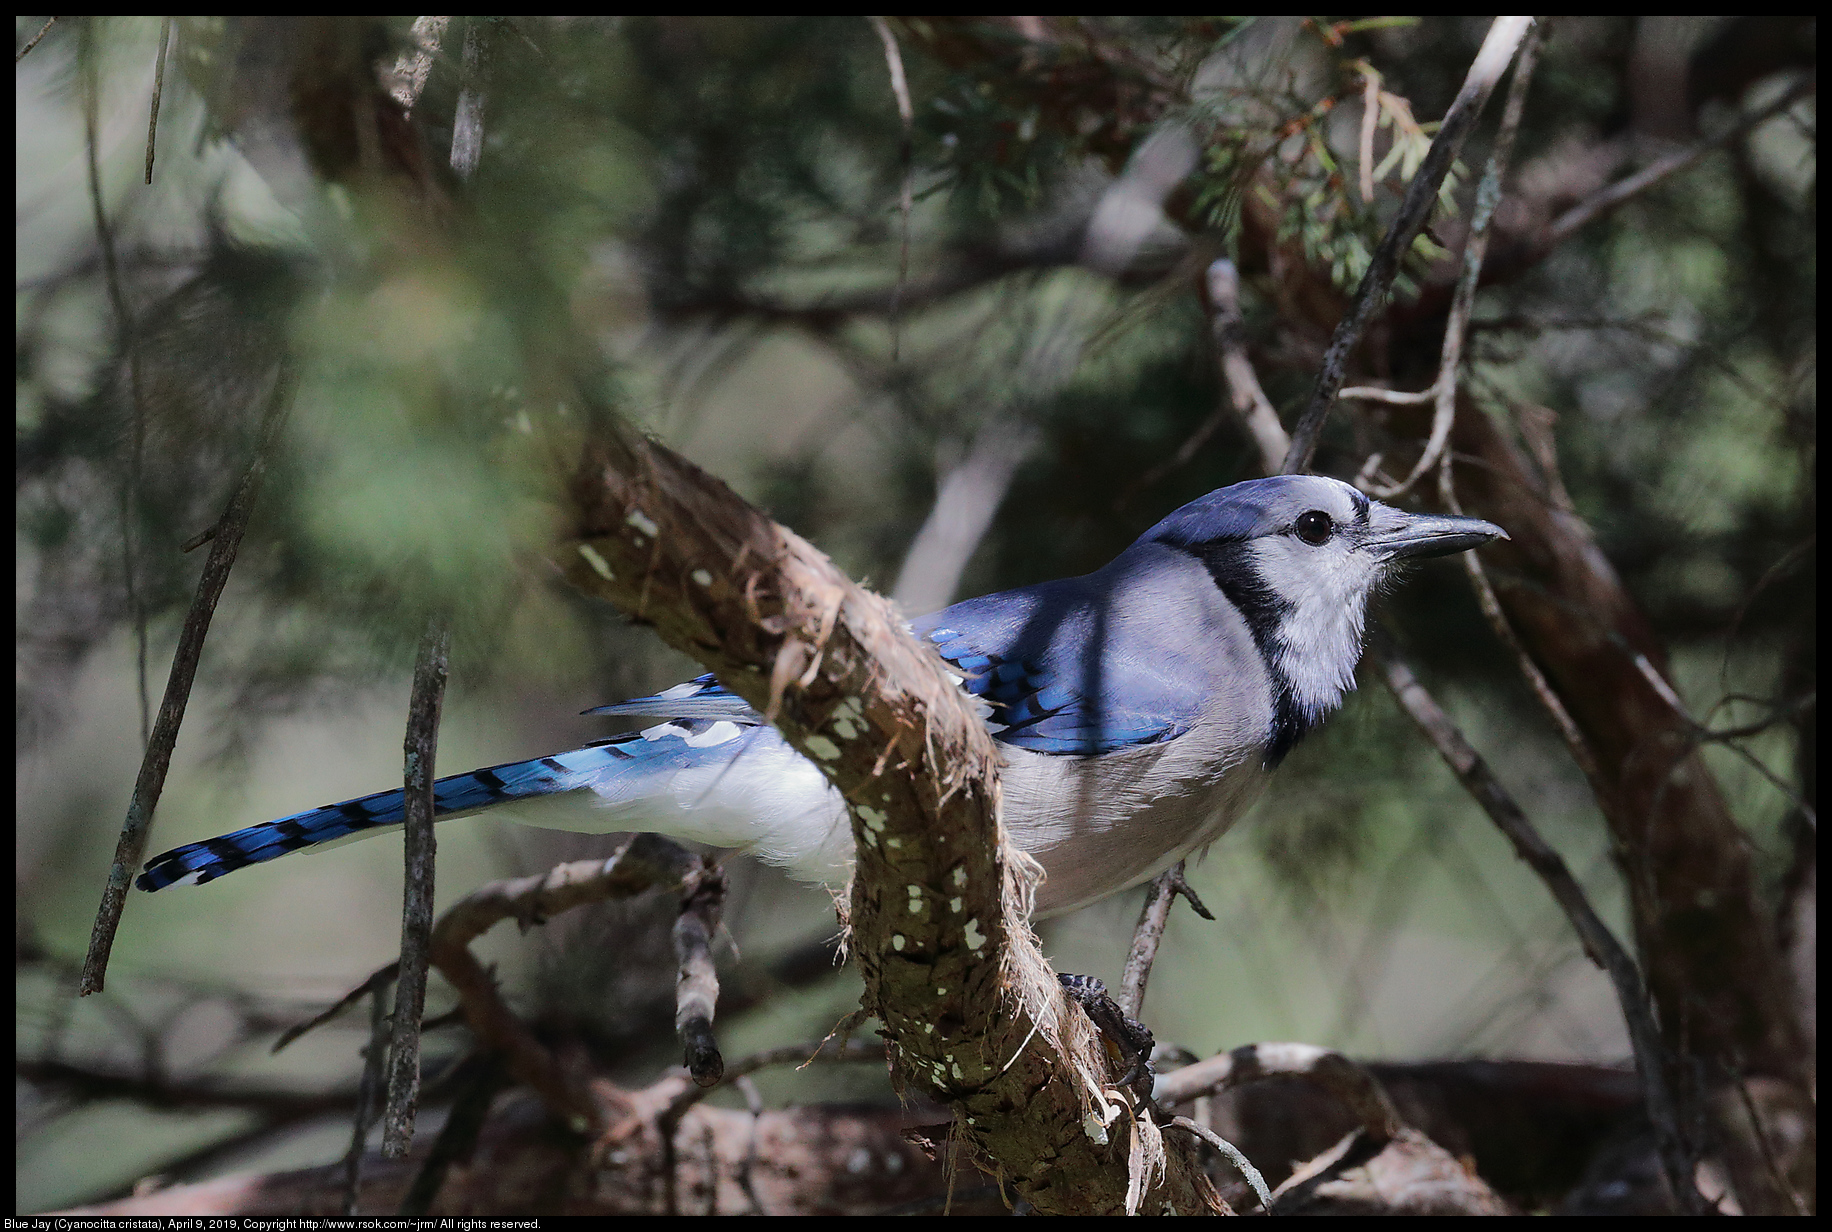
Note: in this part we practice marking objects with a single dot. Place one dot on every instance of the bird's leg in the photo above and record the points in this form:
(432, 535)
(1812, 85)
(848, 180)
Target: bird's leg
(1130, 1037)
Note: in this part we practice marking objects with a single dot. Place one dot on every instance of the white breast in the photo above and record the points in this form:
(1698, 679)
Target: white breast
(1101, 825)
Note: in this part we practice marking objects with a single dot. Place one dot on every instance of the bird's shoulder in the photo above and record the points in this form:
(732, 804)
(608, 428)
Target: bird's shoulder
(1121, 657)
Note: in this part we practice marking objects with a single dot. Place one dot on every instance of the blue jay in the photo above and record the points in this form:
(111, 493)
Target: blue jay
(1139, 708)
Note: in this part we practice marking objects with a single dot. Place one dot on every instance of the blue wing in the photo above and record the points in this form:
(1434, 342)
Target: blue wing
(703, 697)
(1056, 682)
(1024, 653)
(1027, 672)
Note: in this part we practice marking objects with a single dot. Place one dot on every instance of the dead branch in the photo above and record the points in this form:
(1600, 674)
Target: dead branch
(1609, 199)
(645, 861)
(131, 848)
(34, 40)
(427, 699)
(1153, 917)
(152, 119)
(375, 1054)
(1678, 1155)
(696, 987)
(1410, 1175)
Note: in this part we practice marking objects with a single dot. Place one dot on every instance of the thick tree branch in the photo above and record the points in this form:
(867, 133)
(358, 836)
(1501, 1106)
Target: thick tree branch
(940, 901)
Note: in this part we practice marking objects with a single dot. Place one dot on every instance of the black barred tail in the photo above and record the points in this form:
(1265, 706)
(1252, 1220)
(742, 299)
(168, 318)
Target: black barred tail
(196, 863)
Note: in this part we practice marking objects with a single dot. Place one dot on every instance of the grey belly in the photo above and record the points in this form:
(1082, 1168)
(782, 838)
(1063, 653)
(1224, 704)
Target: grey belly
(1098, 826)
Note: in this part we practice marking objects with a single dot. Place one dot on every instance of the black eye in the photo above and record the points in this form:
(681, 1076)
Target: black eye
(1314, 527)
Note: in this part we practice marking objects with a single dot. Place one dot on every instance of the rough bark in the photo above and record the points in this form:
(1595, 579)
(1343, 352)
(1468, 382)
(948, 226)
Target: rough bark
(939, 902)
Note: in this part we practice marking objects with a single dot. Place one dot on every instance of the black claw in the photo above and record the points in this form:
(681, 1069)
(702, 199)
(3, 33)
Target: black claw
(1131, 1038)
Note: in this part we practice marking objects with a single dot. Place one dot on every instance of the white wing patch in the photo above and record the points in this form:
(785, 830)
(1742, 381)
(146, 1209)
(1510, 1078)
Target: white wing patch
(718, 733)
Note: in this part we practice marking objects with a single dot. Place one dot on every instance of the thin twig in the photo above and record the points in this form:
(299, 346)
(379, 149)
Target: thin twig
(1488, 196)
(380, 979)
(420, 746)
(131, 848)
(365, 1100)
(152, 119)
(124, 322)
(1245, 397)
(1153, 917)
(1392, 397)
(1370, 115)
(1145, 938)
(1249, 400)
(795, 1054)
(33, 41)
(1598, 204)
(1235, 1157)
(457, 1138)
(1491, 61)
(1529, 670)
(906, 156)
(1704, 734)
(1599, 943)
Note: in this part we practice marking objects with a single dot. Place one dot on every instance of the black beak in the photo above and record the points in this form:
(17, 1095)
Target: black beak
(1424, 534)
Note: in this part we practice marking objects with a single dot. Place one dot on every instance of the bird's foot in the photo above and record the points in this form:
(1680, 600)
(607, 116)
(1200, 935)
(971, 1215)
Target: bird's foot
(1131, 1038)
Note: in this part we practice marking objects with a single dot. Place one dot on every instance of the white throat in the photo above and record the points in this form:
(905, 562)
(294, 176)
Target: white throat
(1318, 641)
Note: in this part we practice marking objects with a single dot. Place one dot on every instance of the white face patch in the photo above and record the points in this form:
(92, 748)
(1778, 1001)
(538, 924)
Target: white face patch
(1326, 588)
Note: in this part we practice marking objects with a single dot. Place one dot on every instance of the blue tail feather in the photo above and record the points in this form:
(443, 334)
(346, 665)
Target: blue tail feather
(197, 863)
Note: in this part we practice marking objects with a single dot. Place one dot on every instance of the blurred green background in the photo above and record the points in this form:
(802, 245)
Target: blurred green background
(707, 210)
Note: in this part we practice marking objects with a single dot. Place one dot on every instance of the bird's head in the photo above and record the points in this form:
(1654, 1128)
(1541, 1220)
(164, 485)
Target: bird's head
(1299, 555)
